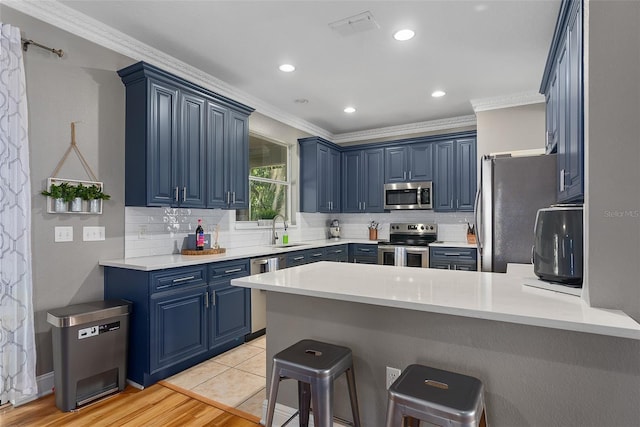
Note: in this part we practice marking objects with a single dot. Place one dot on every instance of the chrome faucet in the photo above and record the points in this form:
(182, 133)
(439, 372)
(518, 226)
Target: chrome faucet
(274, 235)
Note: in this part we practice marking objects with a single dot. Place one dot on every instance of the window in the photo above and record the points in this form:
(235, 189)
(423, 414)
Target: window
(269, 187)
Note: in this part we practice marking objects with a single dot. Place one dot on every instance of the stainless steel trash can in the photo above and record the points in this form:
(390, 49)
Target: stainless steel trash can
(89, 351)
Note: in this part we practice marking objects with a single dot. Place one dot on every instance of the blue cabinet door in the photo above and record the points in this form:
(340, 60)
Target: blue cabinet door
(192, 152)
(178, 327)
(320, 180)
(444, 183)
(465, 174)
(231, 312)
(237, 165)
(395, 164)
(372, 180)
(216, 135)
(351, 175)
(420, 159)
(573, 166)
(335, 178)
(162, 145)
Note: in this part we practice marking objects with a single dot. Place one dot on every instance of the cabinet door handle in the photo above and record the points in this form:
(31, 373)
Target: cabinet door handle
(228, 197)
(183, 279)
(206, 300)
(404, 175)
(213, 298)
(184, 194)
(316, 255)
(234, 198)
(298, 258)
(364, 206)
(365, 250)
(409, 175)
(175, 195)
(563, 174)
(233, 270)
(450, 254)
(338, 251)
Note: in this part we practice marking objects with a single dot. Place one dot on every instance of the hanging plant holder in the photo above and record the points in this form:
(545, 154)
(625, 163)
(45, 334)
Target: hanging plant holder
(73, 195)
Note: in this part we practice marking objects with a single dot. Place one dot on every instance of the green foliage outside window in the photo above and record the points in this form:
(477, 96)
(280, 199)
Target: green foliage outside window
(267, 199)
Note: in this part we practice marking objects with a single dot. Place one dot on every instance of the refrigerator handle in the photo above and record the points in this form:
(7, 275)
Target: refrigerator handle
(476, 214)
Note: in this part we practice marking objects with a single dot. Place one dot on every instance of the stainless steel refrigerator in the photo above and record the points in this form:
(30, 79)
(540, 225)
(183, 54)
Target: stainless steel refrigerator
(510, 192)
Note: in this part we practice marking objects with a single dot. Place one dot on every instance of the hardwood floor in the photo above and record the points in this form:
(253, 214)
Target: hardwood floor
(154, 406)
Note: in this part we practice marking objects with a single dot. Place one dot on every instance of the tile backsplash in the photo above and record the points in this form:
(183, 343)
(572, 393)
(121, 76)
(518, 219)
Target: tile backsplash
(161, 231)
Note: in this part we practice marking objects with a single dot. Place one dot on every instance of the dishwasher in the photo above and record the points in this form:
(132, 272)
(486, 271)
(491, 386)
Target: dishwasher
(259, 297)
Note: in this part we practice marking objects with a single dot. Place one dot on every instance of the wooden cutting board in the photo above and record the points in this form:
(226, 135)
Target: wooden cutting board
(204, 251)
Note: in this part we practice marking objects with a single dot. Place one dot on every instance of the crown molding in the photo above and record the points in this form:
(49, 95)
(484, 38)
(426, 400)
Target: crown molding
(404, 130)
(505, 101)
(81, 25)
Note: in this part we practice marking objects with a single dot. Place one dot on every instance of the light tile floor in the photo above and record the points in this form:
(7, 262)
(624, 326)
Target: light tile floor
(236, 378)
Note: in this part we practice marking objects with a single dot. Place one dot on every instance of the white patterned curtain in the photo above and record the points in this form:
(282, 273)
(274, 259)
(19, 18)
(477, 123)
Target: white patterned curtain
(17, 340)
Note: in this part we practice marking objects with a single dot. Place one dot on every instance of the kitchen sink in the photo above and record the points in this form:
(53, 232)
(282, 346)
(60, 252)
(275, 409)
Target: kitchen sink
(289, 245)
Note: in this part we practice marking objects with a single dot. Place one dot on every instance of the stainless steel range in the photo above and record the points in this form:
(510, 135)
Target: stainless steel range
(408, 245)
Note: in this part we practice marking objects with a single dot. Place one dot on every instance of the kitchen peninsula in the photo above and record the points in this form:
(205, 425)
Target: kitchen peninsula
(545, 358)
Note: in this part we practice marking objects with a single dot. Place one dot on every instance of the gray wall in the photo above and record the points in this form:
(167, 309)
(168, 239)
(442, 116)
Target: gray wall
(612, 155)
(533, 376)
(509, 129)
(82, 86)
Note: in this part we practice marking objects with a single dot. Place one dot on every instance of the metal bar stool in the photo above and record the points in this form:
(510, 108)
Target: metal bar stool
(315, 365)
(439, 397)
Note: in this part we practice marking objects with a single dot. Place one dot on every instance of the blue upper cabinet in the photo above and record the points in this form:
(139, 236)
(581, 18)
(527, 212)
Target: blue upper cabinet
(466, 174)
(444, 182)
(411, 162)
(191, 152)
(174, 138)
(363, 180)
(562, 85)
(319, 176)
(455, 180)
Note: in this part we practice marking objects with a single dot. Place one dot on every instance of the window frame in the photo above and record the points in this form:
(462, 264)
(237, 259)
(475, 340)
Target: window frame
(287, 183)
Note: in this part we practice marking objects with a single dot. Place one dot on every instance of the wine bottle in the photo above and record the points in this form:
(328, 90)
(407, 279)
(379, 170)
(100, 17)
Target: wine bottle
(199, 236)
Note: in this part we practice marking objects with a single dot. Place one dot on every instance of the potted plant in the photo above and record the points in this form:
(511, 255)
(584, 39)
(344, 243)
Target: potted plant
(79, 195)
(94, 195)
(62, 194)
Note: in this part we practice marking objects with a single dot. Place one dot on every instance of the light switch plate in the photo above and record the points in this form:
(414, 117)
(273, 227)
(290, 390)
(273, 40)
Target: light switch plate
(63, 234)
(92, 234)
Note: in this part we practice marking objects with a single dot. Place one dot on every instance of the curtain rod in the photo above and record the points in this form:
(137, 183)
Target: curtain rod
(26, 43)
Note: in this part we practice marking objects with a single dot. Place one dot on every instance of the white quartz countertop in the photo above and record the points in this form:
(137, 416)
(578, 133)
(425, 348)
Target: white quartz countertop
(491, 296)
(159, 262)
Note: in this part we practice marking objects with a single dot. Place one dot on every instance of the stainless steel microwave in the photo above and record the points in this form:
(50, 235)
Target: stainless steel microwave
(408, 195)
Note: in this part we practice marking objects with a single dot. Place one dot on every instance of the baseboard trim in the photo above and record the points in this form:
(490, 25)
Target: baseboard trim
(45, 386)
(283, 413)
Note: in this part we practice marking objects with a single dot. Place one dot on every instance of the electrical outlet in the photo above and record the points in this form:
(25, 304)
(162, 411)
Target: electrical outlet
(142, 232)
(92, 234)
(63, 234)
(392, 375)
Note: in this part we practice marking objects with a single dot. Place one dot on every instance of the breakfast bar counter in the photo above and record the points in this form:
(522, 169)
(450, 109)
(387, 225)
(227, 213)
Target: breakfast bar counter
(491, 296)
(545, 358)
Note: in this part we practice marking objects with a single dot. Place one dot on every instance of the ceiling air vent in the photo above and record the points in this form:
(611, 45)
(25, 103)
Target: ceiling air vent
(355, 24)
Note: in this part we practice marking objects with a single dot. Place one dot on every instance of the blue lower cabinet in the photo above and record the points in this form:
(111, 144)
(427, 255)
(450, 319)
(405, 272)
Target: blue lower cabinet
(231, 309)
(363, 253)
(338, 253)
(181, 316)
(178, 327)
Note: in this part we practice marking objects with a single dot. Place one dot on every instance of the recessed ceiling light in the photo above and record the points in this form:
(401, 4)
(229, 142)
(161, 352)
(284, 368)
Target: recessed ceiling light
(349, 110)
(404, 35)
(301, 101)
(287, 68)
(438, 93)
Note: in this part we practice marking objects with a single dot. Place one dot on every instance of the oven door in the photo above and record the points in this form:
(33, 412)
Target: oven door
(403, 256)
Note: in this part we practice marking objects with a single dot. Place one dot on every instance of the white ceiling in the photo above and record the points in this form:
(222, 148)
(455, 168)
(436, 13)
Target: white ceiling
(473, 50)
